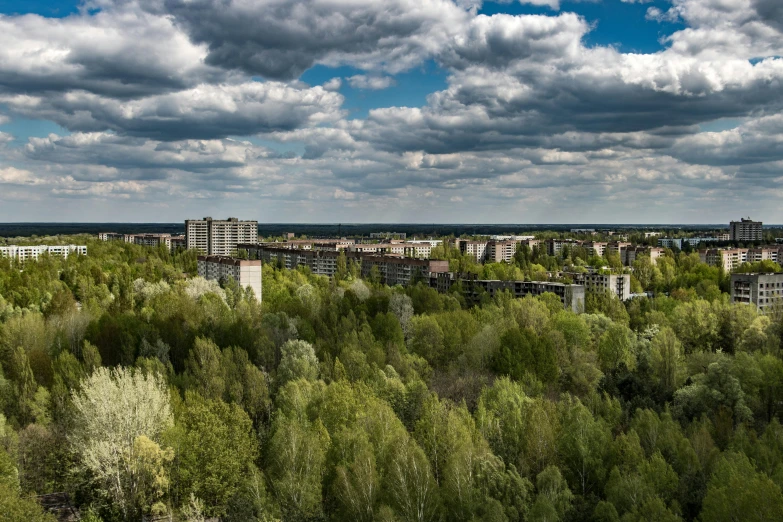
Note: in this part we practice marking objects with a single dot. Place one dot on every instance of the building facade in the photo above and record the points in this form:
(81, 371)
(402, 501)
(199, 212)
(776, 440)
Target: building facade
(246, 272)
(219, 237)
(25, 253)
(763, 290)
(618, 284)
(572, 296)
(745, 230)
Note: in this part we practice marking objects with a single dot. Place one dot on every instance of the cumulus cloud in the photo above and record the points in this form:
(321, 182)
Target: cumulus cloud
(280, 39)
(373, 82)
(155, 92)
(203, 112)
(120, 52)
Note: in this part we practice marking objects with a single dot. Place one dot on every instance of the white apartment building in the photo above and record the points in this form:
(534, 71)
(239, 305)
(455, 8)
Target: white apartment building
(24, 253)
(619, 284)
(246, 272)
(732, 258)
(219, 237)
(745, 230)
(595, 248)
(762, 290)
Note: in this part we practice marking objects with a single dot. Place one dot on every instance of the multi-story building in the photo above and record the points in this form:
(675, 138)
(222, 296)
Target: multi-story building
(618, 284)
(631, 253)
(25, 253)
(555, 246)
(595, 248)
(153, 240)
(745, 230)
(476, 249)
(731, 258)
(392, 269)
(512, 238)
(501, 251)
(219, 237)
(668, 242)
(246, 272)
(388, 235)
(572, 296)
(763, 290)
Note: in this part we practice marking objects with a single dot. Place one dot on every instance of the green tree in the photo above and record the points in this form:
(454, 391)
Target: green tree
(736, 491)
(116, 413)
(216, 446)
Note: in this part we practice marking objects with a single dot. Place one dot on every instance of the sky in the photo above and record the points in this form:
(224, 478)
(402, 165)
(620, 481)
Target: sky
(398, 111)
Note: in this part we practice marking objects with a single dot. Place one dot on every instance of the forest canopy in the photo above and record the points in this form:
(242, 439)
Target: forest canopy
(144, 392)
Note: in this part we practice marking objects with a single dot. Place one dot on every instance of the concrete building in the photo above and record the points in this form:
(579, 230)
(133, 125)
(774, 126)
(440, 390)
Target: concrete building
(572, 296)
(631, 253)
(731, 258)
(745, 230)
(25, 253)
(501, 251)
(219, 237)
(555, 246)
(618, 284)
(476, 249)
(511, 238)
(595, 248)
(763, 290)
(392, 269)
(388, 235)
(246, 272)
(668, 242)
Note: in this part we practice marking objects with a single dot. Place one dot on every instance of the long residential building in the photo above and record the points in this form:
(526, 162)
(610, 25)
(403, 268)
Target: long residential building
(217, 237)
(393, 270)
(25, 253)
(246, 272)
(572, 296)
(745, 230)
(731, 258)
(763, 290)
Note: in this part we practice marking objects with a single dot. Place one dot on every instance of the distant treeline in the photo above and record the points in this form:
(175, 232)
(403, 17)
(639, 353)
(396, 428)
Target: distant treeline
(324, 230)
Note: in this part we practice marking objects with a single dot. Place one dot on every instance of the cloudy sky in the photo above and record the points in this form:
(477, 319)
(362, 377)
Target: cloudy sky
(512, 111)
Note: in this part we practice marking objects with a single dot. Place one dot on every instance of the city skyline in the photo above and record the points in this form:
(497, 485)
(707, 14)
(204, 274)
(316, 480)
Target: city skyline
(396, 111)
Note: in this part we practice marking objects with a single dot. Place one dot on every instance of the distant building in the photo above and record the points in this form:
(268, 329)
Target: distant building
(393, 269)
(511, 238)
(572, 296)
(25, 253)
(219, 237)
(388, 235)
(246, 272)
(618, 284)
(595, 248)
(668, 242)
(763, 290)
(555, 246)
(745, 230)
(731, 258)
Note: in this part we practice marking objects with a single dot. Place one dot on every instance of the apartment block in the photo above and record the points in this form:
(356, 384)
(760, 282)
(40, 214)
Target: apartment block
(668, 242)
(618, 284)
(394, 270)
(731, 258)
(246, 272)
(476, 249)
(595, 248)
(763, 290)
(25, 253)
(555, 246)
(745, 230)
(572, 296)
(501, 251)
(630, 254)
(219, 237)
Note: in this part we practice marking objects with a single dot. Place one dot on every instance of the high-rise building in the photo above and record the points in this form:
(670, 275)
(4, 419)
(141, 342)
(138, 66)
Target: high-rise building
(219, 237)
(246, 272)
(745, 230)
(762, 290)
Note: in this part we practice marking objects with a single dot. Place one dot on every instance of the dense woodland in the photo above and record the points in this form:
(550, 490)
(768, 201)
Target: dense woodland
(147, 393)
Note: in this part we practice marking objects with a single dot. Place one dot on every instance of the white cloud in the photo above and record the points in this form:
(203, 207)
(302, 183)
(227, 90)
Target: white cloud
(333, 85)
(374, 83)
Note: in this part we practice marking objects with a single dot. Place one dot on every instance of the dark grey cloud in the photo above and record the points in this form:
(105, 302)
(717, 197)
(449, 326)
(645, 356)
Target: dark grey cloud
(770, 11)
(280, 39)
(203, 112)
(120, 52)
